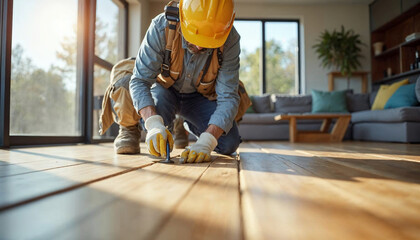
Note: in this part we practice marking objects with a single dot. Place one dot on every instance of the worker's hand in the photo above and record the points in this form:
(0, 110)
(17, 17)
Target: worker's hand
(200, 151)
(157, 135)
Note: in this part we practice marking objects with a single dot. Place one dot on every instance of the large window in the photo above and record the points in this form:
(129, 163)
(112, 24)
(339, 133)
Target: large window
(43, 68)
(109, 48)
(269, 55)
(56, 58)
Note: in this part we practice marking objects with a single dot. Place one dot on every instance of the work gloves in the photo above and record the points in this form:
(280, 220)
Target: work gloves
(157, 135)
(200, 151)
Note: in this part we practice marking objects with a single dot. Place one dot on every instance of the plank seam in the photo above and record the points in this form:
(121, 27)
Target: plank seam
(154, 233)
(241, 215)
(70, 188)
(42, 170)
(354, 197)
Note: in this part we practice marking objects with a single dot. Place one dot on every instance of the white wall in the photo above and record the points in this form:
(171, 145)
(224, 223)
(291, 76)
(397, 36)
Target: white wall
(139, 20)
(314, 19)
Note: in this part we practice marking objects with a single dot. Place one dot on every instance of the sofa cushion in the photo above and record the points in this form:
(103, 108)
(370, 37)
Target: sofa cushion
(357, 102)
(330, 102)
(259, 118)
(403, 114)
(268, 118)
(293, 104)
(385, 92)
(261, 104)
(372, 97)
(405, 96)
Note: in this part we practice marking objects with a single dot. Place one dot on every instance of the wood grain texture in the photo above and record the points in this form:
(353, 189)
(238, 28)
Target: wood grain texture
(278, 190)
(22, 188)
(128, 206)
(302, 196)
(211, 210)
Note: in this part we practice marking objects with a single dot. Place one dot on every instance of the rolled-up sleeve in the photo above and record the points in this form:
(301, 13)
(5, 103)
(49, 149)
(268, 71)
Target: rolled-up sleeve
(148, 63)
(227, 85)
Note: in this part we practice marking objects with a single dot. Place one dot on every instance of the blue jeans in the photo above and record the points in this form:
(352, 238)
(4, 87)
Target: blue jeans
(196, 111)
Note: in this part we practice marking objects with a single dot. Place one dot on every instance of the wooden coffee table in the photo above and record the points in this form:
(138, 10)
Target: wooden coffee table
(323, 135)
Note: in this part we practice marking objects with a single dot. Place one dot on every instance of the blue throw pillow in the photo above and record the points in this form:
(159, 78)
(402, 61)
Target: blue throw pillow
(329, 102)
(405, 96)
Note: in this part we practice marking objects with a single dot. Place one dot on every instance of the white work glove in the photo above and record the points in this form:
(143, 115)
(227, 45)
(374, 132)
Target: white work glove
(157, 135)
(200, 151)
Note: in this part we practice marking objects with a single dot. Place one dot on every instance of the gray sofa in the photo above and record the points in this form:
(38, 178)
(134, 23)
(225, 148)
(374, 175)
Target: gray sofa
(388, 125)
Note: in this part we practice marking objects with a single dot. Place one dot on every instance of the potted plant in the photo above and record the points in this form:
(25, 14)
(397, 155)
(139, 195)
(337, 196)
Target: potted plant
(340, 50)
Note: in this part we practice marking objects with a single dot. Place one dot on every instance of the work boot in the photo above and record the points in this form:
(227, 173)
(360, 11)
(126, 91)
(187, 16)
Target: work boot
(128, 140)
(180, 135)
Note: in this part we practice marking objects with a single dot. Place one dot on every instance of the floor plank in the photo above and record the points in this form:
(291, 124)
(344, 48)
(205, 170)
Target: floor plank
(284, 200)
(386, 165)
(23, 161)
(129, 206)
(211, 209)
(19, 189)
(278, 190)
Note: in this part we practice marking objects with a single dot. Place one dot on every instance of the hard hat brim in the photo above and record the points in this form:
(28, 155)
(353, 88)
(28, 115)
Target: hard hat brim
(204, 41)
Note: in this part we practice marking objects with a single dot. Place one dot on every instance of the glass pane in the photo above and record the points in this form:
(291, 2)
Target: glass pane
(281, 43)
(100, 83)
(44, 93)
(251, 43)
(106, 33)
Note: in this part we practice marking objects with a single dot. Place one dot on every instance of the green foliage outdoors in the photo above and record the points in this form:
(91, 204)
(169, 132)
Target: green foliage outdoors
(41, 103)
(340, 50)
(280, 69)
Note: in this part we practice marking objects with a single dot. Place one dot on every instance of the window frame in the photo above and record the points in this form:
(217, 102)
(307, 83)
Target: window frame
(103, 63)
(263, 83)
(84, 73)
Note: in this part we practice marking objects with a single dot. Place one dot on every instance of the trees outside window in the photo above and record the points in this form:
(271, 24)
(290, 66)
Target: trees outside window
(274, 67)
(43, 80)
(47, 83)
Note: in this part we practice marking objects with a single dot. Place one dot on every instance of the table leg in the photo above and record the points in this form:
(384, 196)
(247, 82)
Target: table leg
(339, 129)
(292, 130)
(326, 125)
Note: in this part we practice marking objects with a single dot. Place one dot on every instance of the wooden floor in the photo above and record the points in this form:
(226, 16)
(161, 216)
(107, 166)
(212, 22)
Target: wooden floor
(272, 190)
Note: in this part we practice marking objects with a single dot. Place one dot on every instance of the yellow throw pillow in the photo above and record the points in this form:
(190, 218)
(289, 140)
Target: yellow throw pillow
(385, 92)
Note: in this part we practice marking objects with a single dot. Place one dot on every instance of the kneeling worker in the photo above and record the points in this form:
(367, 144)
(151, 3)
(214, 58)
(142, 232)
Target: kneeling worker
(190, 66)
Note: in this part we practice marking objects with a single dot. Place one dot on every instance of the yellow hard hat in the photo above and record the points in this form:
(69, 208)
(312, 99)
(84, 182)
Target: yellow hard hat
(206, 23)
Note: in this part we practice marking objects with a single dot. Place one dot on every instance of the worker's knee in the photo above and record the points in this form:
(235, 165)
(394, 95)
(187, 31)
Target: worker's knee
(228, 143)
(227, 148)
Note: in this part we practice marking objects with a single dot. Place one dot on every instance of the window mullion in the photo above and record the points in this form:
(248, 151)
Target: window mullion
(5, 64)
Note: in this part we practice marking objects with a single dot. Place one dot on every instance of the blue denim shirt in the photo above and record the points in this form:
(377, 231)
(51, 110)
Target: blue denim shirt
(148, 66)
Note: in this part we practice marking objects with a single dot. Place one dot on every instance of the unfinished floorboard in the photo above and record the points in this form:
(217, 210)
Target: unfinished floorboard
(376, 163)
(386, 150)
(130, 206)
(23, 188)
(394, 202)
(211, 210)
(282, 200)
(39, 154)
(48, 160)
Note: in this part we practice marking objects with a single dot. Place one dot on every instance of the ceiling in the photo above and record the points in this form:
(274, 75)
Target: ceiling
(295, 1)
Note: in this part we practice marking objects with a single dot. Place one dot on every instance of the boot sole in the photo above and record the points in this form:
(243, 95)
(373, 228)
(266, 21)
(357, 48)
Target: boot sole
(127, 150)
